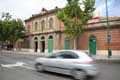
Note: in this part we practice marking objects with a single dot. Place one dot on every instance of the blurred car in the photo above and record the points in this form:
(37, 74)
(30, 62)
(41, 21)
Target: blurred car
(71, 62)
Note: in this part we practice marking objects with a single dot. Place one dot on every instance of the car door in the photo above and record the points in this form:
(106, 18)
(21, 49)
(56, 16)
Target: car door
(65, 61)
(55, 63)
(51, 62)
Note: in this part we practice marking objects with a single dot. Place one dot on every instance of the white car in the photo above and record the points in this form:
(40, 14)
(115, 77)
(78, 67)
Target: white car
(71, 62)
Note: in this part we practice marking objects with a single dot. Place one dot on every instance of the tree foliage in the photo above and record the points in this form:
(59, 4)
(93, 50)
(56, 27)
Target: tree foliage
(11, 30)
(75, 16)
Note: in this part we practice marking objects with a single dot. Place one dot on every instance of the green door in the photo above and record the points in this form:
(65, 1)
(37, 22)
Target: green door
(92, 45)
(27, 44)
(50, 45)
(67, 43)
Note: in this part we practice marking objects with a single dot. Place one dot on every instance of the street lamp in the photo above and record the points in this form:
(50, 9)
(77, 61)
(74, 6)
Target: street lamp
(108, 32)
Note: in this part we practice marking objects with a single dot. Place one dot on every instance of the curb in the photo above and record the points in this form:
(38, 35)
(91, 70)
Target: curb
(98, 59)
(107, 60)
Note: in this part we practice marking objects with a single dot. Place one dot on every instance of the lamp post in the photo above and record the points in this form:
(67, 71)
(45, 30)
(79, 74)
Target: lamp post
(108, 32)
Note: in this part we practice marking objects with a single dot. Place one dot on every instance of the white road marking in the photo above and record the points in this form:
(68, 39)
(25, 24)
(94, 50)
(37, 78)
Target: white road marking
(12, 65)
(17, 64)
(28, 68)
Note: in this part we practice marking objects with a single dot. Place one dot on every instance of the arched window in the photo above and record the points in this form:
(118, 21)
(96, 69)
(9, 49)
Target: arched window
(42, 25)
(36, 26)
(50, 37)
(35, 39)
(51, 23)
(42, 38)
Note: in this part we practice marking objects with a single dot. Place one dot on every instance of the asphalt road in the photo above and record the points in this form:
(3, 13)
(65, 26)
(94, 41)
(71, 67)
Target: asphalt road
(21, 67)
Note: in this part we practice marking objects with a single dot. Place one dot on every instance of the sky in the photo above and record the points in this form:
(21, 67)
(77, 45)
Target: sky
(24, 9)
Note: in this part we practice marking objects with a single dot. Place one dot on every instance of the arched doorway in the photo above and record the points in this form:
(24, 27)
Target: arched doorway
(43, 44)
(35, 44)
(92, 45)
(67, 43)
(50, 44)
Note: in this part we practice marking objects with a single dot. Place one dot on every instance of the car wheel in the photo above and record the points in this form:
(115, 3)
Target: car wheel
(39, 67)
(79, 74)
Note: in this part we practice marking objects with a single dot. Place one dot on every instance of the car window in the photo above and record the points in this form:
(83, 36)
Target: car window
(52, 56)
(68, 55)
(55, 55)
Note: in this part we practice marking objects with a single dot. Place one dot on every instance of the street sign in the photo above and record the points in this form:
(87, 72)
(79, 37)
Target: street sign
(109, 37)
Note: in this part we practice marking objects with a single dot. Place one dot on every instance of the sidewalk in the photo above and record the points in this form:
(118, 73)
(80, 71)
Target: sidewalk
(26, 53)
(98, 57)
(104, 57)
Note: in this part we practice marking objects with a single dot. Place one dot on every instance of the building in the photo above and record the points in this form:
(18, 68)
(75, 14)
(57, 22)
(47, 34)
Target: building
(44, 34)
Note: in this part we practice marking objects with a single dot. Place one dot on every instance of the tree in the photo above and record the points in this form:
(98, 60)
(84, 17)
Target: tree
(11, 30)
(0, 33)
(1, 26)
(6, 15)
(17, 30)
(75, 16)
(4, 30)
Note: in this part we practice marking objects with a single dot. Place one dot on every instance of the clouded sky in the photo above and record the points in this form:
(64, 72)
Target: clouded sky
(25, 8)
(113, 7)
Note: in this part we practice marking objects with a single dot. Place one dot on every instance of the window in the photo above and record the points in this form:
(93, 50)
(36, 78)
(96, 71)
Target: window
(50, 37)
(36, 26)
(52, 56)
(64, 55)
(68, 55)
(35, 38)
(55, 55)
(42, 38)
(28, 28)
(51, 23)
(42, 25)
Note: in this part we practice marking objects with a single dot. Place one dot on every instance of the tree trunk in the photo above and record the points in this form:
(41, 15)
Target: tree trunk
(14, 46)
(19, 46)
